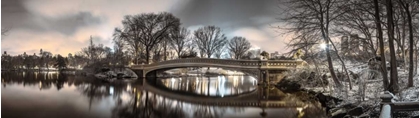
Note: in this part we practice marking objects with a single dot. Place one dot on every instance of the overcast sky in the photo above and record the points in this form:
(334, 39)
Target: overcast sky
(64, 26)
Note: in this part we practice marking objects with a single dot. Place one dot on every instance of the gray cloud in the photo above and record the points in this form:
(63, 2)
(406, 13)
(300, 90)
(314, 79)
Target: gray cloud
(68, 27)
(200, 12)
(230, 15)
(69, 24)
(15, 15)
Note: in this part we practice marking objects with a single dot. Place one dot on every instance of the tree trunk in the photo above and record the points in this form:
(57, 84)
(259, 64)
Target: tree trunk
(394, 74)
(179, 54)
(147, 55)
(164, 51)
(410, 27)
(381, 46)
(331, 67)
(324, 32)
(342, 62)
(136, 55)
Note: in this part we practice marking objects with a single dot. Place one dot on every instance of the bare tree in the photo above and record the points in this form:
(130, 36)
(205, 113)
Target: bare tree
(359, 20)
(208, 39)
(411, 40)
(238, 46)
(314, 17)
(94, 52)
(301, 42)
(381, 45)
(393, 87)
(148, 30)
(131, 37)
(4, 31)
(179, 40)
(118, 54)
(219, 51)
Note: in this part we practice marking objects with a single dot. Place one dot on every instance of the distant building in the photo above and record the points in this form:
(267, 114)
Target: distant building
(344, 43)
(350, 45)
(275, 54)
(354, 43)
(255, 53)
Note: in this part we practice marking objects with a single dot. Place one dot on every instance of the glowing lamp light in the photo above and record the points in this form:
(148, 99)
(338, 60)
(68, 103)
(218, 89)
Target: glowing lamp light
(111, 90)
(323, 45)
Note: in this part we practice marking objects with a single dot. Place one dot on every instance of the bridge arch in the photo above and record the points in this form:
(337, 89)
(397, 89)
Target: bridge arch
(253, 65)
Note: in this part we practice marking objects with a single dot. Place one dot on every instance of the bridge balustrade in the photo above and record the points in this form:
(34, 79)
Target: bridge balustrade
(241, 63)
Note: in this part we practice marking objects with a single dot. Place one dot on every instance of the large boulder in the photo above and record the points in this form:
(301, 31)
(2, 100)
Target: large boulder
(357, 111)
(287, 85)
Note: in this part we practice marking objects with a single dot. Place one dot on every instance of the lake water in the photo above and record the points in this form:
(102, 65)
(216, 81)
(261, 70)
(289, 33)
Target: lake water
(53, 95)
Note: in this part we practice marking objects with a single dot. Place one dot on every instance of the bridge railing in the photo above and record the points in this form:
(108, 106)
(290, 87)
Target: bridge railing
(242, 63)
(389, 107)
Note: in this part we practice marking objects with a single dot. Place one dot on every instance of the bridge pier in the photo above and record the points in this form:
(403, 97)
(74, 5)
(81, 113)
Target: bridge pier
(263, 77)
(139, 73)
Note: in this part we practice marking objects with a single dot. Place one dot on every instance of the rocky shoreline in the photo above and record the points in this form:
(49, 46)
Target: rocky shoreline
(333, 107)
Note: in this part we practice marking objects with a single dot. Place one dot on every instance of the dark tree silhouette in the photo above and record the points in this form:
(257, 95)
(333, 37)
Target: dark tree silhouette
(61, 62)
(381, 45)
(314, 18)
(179, 40)
(393, 87)
(208, 39)
(4, 31)
(238, 46)
(147, 30)
(411, 40)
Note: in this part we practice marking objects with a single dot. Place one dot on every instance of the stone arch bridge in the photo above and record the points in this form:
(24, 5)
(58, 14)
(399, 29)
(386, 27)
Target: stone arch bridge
(259, 68)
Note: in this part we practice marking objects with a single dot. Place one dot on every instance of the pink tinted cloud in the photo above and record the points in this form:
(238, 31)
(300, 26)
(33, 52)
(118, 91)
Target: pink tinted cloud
(29, 41)
(112, 11)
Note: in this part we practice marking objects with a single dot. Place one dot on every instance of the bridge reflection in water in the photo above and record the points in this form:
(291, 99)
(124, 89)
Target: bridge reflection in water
(90, 98)
(215, 86)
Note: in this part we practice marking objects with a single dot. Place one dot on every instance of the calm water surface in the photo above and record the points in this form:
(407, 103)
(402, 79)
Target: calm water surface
(53, 95)
(215, 86)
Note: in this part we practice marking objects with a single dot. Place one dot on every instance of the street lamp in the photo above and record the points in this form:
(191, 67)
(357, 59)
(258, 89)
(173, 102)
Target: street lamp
(323, 46)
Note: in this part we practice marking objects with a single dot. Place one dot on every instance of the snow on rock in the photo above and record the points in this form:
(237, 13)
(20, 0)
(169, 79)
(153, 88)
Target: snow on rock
(411, 93)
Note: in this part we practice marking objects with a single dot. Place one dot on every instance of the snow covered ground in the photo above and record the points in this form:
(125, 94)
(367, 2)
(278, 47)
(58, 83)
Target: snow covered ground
(373, 87)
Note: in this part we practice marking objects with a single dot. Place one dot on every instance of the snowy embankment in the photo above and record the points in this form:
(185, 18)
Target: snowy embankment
(204, 70)
(366, 86)
(374, 82)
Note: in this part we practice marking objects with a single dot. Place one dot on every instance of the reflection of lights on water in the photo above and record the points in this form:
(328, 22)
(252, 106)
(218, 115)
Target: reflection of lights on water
(40, 84)
(111, 90)
(300, 113)
(49, 72)
(128, 87)
(235, 81)
(125, 97)
(221, 84)
(172, 82)
(242, 80)
(36, 75)
(299, 109)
